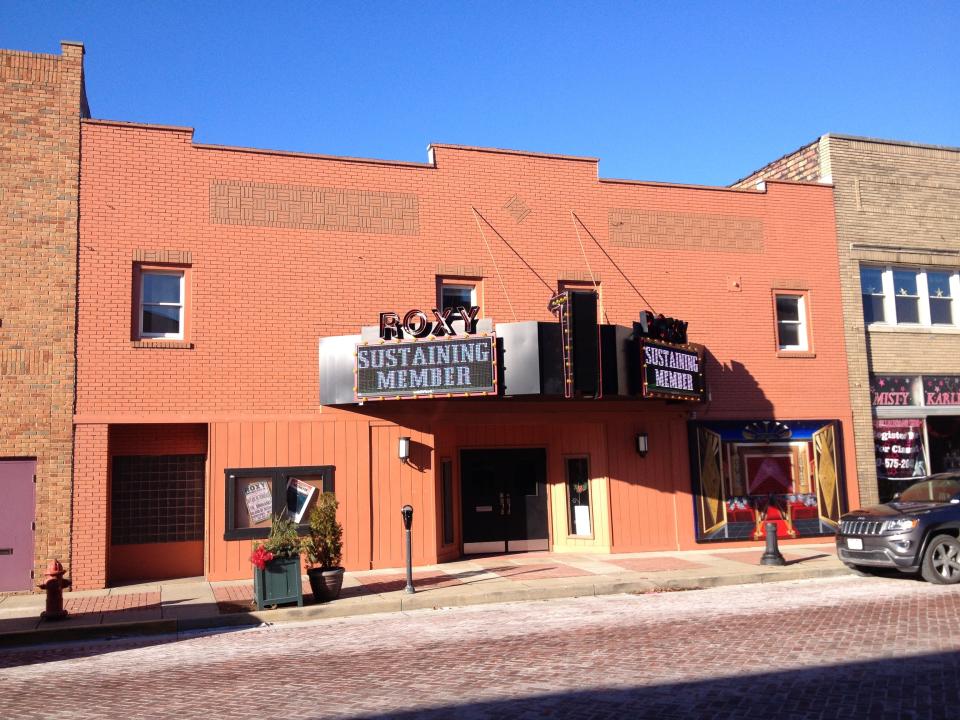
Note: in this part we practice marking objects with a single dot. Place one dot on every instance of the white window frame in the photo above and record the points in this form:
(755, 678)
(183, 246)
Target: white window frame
(801, 322)
(923, 292)
(181, 305)
(458, 286)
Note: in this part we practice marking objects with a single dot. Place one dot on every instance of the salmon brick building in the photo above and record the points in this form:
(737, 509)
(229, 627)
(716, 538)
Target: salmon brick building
(248, 338)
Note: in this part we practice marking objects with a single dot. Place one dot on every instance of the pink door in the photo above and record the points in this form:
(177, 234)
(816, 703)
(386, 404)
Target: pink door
(16, 523)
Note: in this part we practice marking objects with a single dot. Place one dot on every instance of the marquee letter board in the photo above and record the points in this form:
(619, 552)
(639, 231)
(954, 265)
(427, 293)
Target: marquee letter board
(427, 368)
(672, 372)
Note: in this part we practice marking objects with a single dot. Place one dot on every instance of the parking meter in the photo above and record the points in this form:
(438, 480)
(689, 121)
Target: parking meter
(407, 512)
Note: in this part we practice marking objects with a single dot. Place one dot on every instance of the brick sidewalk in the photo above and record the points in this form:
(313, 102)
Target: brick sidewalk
(170, 605)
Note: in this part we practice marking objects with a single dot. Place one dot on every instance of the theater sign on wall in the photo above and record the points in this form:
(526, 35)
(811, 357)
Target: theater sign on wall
(419, 357)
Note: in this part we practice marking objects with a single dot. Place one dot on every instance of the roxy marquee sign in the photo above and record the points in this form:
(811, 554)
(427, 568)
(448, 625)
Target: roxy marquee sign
(427, 368)
(417, 324)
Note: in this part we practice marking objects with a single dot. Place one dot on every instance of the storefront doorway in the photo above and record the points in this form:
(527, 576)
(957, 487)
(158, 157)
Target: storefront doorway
(504, 500)
(16, 524)
(944, 443)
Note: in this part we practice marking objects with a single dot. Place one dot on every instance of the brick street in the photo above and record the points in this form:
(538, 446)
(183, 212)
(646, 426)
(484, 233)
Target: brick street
(845, 647)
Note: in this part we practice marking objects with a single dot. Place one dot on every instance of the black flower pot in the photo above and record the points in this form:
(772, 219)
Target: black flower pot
(325, 583)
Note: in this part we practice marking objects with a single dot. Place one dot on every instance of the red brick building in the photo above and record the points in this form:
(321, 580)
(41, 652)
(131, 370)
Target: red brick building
(208, 276)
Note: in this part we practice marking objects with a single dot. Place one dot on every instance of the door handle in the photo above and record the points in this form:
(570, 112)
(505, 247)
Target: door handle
(502, 505)
(508, 504)
(6, 551)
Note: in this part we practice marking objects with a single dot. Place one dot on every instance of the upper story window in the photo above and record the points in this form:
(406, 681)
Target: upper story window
(161, 304)
(909, 296)
(871, 286)
(941, 298)
(791, 322)
(457, 295)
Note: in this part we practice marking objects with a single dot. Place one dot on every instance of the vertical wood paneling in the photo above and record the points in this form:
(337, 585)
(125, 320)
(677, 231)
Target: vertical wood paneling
(270, 444)
(637, 503)
(648, 495)
(279, 444)
(283, 444)
(258, 435)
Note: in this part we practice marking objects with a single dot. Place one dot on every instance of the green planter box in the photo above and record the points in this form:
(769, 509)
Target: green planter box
(278, 583)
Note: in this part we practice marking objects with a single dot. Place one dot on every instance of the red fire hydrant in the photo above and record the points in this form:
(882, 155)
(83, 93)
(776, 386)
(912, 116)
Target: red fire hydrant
(54, 585)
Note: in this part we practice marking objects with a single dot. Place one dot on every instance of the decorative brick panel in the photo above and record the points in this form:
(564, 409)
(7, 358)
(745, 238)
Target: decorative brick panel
(162, 344)
(471, 271)
(26, 362)
(790, 284)
(892, 197)
(685, 231)
(578, 276)
(170, 257)
(313, 208)
(517, 208)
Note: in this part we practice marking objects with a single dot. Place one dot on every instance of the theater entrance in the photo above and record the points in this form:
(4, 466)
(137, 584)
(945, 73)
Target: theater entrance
(504, 500)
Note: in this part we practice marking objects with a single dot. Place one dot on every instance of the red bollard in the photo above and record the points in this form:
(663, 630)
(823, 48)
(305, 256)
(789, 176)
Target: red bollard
(54, 585)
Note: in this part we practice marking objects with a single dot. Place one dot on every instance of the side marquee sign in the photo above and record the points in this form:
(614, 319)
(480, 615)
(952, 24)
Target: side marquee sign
(672, 372)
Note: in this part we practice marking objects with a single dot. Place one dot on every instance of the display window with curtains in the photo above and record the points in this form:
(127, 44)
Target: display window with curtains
(749, 473)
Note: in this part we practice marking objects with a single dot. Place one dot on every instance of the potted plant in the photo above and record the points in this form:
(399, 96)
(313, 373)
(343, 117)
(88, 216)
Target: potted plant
(323, 547)
(276, 574)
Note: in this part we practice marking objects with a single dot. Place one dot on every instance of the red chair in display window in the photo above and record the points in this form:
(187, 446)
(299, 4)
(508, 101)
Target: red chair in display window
(739, 510)
(774, 514)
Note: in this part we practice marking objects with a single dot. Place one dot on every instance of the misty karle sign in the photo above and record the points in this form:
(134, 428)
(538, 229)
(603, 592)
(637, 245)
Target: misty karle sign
(464, 366)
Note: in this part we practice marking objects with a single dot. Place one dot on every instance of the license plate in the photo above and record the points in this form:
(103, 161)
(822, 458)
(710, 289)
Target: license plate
(855, 543)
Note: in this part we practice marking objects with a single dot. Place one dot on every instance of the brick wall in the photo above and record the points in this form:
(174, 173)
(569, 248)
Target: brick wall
(91, 507)
(41, 102)
(158, 440)
(896, 203)
(801, 165)
(262, 295)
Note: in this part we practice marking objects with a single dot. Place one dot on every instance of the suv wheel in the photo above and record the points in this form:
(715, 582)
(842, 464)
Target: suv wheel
(941, 561)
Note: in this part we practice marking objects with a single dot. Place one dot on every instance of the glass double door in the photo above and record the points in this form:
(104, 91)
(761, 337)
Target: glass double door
(504, 500)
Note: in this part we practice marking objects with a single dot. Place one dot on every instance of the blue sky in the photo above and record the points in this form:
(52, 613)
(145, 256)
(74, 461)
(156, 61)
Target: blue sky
(697, 92)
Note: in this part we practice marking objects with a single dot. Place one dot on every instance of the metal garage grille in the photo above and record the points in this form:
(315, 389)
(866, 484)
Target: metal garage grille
(157, 499)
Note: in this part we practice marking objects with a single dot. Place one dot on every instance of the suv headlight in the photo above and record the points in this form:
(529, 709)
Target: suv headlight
(901, 525)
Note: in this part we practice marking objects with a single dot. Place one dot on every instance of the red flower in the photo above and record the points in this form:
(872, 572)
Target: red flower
(261, 556)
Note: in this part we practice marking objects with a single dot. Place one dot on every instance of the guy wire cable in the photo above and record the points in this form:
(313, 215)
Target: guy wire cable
(583, 252)
(476, 217)
(634, 287)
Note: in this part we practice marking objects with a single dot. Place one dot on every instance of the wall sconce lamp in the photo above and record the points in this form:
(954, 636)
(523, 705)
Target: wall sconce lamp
(643, 444)
(403, 451)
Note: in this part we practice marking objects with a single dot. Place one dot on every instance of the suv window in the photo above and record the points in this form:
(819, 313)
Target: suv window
(935, 490)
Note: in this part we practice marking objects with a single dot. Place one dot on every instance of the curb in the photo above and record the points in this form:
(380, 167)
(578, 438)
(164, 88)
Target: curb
(88, 632)
(404, 603)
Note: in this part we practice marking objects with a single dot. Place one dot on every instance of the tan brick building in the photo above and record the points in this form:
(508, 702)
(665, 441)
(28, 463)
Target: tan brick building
(898, 228)
(42, 100)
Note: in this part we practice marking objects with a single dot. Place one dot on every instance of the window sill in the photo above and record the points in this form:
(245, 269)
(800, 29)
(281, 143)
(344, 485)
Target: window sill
(796, 354)
(914, 329)
(161, 344)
